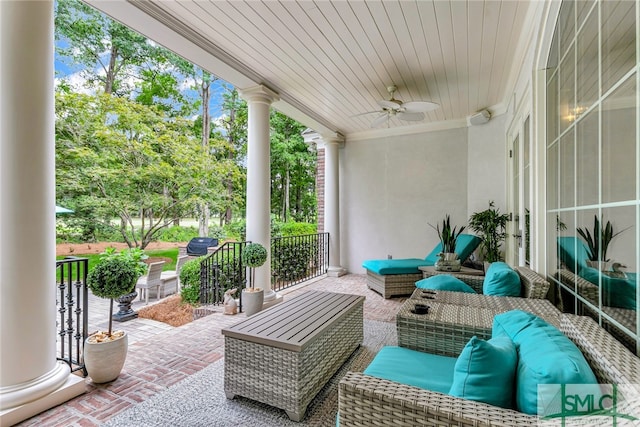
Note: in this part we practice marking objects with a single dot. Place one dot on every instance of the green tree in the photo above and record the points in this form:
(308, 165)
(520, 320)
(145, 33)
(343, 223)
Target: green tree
(293, 170)
(109, 51)
(234, 130)
(128, 160)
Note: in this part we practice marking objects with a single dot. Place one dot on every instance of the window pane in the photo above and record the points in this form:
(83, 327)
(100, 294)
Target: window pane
(552, 109)
(566, 25)
(619, 144)
(587, 66)
(567, 91)
(567, 170)
(587, 155)
(618, 41)
(552, 177)
(582, 8)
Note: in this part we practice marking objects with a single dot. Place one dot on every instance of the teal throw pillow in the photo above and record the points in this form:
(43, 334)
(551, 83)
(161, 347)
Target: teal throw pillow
(444, 282)
(485, 371)
(501, 280)
(546, 358)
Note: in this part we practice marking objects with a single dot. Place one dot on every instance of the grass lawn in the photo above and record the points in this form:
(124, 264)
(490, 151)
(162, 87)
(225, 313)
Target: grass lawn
(163, 253)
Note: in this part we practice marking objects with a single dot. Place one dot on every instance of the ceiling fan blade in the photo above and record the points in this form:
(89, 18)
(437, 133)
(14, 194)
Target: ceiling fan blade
(380, 120)
(390, 104)
(411, 117)
(419, 106)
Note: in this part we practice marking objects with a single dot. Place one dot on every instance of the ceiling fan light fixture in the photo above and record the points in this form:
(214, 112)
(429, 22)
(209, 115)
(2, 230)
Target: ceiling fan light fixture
(412, 111)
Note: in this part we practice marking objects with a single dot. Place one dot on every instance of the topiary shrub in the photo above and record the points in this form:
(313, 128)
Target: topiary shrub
(190, 281)
(253, 256)
(112, 277)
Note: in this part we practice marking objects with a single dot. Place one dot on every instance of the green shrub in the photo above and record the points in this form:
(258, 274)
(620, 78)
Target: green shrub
(293, 228)
(176, 233)
(291, 260)
(236, 230)
(217, 232)
(190, 281)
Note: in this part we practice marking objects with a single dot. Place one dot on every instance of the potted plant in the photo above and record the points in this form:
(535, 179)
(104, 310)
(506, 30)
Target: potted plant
(137, 256)
(491, 227)
(448, 258)
(598, 243)
(115, 275)
(254, 255)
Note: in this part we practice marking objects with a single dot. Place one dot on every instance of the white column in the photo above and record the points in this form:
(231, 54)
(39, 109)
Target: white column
(332, 202)
(259, 100)
(31, 380)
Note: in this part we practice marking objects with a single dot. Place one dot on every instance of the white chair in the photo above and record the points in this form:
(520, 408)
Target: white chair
(171, 278)
(150, 281)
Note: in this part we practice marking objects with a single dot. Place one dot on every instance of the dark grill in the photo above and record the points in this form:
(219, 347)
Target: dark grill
(199, 245)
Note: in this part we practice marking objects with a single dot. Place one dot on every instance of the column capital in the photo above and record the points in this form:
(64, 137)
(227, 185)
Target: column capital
(321, 140)
(259, 93)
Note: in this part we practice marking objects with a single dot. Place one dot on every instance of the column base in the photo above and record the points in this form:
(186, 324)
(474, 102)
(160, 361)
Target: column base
(336, 271)
(272, 298)
(73, 386)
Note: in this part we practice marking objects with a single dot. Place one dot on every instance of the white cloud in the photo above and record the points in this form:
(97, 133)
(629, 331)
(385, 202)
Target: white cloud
(77, 82)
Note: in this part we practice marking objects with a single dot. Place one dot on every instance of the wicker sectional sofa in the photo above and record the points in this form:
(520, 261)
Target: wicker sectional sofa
(532, 284)
(366, 400)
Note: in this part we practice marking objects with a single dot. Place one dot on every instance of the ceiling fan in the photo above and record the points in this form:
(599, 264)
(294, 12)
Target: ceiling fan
(412, 111)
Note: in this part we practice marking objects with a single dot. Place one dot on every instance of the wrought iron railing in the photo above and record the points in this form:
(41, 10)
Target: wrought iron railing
(296, 259)
(220, 271)
(72, 304)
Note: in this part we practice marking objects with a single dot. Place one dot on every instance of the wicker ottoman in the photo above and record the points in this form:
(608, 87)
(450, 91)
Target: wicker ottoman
(390, 285)
(284, 355)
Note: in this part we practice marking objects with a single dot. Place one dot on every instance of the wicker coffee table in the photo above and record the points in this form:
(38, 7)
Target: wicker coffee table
(448, 327)
(284, 355)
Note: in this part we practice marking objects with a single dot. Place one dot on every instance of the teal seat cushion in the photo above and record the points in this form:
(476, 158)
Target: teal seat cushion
(485, 371)
(545, 356)
(616, 292)
(573, 253)
(501, 280)
(444, 282)
(465, 245)
(427, 371)
(395, 266)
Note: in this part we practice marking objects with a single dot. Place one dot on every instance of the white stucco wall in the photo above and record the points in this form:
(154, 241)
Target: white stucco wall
(391, 189)
(487, 166)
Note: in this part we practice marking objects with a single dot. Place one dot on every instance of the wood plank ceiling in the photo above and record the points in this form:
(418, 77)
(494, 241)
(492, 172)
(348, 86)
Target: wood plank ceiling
(335, 59)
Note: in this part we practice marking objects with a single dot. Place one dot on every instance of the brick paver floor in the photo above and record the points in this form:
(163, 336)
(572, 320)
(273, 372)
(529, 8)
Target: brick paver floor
(160, 355)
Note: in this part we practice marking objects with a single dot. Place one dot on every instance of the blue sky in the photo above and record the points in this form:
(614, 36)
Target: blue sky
(64, 70)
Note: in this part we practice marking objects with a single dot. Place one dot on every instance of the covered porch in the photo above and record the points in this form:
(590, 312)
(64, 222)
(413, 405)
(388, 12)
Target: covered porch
(382, 186)
(161, 356)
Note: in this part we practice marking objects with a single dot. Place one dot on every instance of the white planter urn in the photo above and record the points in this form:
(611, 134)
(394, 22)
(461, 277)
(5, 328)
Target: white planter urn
(104, 360)
(252, 300)
(447, 262)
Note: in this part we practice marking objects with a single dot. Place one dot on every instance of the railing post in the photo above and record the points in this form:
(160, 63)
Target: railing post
(73, 310)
